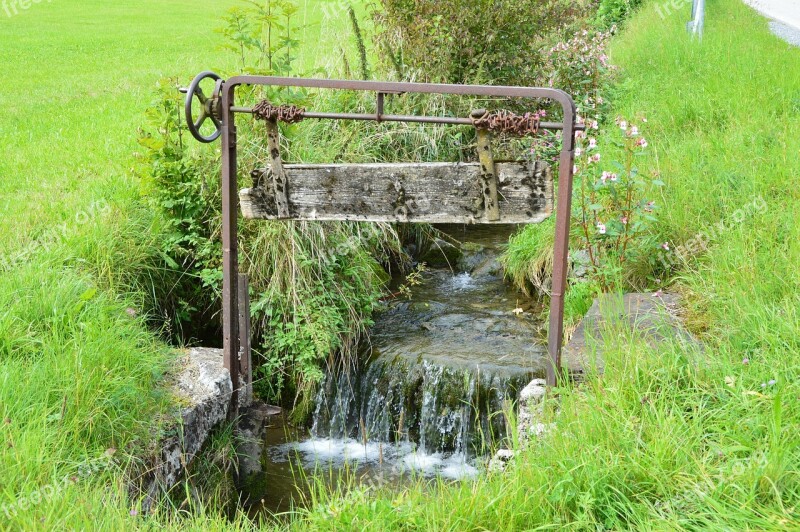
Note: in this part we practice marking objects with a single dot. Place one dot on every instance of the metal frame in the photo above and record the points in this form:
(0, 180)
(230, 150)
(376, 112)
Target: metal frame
(226, 89)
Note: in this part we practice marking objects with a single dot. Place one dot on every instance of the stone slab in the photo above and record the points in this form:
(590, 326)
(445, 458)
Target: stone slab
(653, 316)
(202, 388)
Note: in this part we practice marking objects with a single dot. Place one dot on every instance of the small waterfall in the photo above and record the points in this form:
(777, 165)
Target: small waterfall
(437, 377)
(441, 409)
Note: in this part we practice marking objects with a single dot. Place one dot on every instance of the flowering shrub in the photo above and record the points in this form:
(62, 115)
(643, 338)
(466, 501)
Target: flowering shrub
(613, 213)
(581, 67)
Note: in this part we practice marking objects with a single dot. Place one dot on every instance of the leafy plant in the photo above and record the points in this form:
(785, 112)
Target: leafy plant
(611, 12)
(613, 214)
(262, 36)
(413, 279)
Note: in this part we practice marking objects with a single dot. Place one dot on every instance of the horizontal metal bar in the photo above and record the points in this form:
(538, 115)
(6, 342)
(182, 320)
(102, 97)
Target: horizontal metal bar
(555, 126)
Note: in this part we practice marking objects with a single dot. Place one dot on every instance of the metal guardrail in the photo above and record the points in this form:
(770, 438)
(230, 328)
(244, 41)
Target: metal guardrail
(695, 26)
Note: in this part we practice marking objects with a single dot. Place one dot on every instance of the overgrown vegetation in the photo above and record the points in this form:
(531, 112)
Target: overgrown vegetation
(465, 41)
(314, 285)
(611, 12)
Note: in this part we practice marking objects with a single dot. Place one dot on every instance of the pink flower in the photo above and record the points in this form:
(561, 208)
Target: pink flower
(634, 131)
(601, 228)
(594, 158)
(623, 125)
(624, 220)
(642, 142)
(592, 144)
(746, 361)
(580, 134)
(578, 152)
(665, 245)
(658, 293)
(605, 176)
(613, 178)
(595, 125)
(575, 169)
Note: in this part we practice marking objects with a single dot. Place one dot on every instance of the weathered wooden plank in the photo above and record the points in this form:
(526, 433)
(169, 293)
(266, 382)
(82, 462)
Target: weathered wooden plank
(406, 192)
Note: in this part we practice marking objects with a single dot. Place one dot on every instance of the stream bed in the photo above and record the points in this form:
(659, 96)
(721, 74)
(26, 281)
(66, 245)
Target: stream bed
(441, 370)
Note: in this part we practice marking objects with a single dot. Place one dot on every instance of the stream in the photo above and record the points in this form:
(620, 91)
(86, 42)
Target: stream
(441, 369)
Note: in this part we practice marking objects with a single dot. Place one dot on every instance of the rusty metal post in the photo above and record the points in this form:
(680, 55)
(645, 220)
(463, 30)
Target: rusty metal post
(230, 246)
(245, 356)
(555, 337)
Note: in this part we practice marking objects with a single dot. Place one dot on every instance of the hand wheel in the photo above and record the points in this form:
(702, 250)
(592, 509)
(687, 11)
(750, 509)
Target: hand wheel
(207, 111)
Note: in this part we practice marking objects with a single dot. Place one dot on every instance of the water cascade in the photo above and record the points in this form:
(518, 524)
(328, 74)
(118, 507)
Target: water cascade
(439, 372)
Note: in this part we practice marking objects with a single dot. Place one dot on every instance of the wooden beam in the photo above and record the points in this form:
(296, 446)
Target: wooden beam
(405, 192)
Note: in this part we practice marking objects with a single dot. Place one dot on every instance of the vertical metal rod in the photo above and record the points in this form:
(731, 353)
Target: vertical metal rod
(245, 356)
(379, 107)
(555, 338)
(230, 247)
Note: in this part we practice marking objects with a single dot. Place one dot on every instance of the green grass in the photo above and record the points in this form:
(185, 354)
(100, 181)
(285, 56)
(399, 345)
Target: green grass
(672, 438)
(80, 375)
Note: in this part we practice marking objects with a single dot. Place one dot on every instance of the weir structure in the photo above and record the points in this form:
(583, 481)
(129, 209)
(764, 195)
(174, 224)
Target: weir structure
(484, 192)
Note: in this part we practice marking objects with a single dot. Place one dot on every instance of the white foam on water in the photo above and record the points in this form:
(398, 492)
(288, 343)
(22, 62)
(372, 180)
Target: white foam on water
(462, 281)
(423, 462)
(337, 451)
(457, 468)
(402, 457)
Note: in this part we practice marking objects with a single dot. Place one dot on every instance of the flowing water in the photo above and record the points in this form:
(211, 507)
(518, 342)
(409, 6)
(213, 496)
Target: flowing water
(441, 369)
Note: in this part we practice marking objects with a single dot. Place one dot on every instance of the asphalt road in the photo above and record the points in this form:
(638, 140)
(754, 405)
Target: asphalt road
(785, 15)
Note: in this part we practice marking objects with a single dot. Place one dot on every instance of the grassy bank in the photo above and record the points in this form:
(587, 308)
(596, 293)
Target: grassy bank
(674, 438)
(80, 372)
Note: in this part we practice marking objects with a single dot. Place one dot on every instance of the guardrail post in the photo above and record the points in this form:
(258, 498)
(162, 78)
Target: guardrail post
(695, 26)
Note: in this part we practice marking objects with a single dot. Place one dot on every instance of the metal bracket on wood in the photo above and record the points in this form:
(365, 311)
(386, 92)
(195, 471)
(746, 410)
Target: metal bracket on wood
(489, 181)
(379, 104)
(280, 181)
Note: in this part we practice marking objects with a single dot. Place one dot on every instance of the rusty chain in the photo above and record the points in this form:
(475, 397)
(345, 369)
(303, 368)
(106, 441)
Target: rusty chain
(289, 114)
(507, 122)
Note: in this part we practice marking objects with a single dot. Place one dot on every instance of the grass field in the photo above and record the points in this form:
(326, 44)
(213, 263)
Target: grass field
(79, 376)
